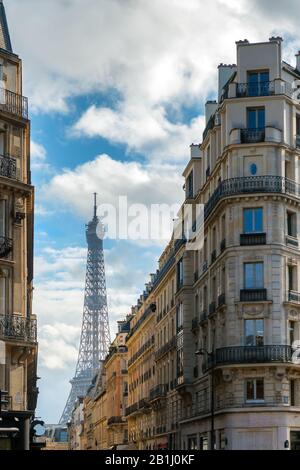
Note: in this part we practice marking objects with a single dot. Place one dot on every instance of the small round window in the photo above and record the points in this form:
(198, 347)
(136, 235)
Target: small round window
(253, 169)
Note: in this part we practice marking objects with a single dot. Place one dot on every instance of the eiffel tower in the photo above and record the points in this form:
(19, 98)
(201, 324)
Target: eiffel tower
(95, 334)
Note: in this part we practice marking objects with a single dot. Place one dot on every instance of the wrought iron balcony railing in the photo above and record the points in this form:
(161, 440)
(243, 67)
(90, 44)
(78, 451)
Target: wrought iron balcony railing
(6, 245)
(212, 308)
(294, 296)
(148, 344)
(251, 184)
(221, 300)
(253, 295)
(13, 103)
(8, 167)
(115, 420)
(253, 354)
(292, 241)
(160, 391)
(15, 327)
(252, 136)
(166, 348)
(255, 89)
(250, 239)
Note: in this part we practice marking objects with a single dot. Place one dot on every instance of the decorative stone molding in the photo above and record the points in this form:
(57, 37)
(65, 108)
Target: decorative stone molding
(247, 310)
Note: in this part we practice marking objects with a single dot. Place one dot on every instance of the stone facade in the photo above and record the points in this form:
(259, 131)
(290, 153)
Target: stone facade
(18, 334)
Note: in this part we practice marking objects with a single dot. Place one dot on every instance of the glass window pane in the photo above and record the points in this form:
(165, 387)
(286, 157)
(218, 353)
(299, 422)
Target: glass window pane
(258, 216)
(261, 118)
(264, 77)
(249, 278)
(259, 389)
(250, 390)
(248, 217)
(259, 277)
(252, 119)
(249, 332)
(259, 327)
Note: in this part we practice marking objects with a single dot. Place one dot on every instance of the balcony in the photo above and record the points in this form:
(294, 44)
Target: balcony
(222, 245)
(253, 354)
(212, 308)
(251, 239)
(293, 241)
(6, 245)
(251, 184)
(195, 324)
(253, 295)
(115, 420)
(13, 103)
(8, 167)
(221, 300)
(255, 89)
(252, 136)
(298, 141)
(17, 328)
(166, 348)
(203, 316)
(160, 391)
(131, 409)
(213, 256)
(294, 296)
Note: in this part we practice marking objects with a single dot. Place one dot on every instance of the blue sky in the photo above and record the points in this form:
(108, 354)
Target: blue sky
(117, 91)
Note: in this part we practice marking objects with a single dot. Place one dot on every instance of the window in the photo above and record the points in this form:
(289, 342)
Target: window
(255, 390)
(192, 442)
(258, 83)
(292, 271)
(179, 274)
(298, 125)
(3, 296)
(253, 220)
(254, 332)
(179, 316)
(292, 332)
(253, 169)
(253, 275)
(180, 363)
(256, 118)
(190, 185)
(2, 218)
(292, 392)
(292, 224)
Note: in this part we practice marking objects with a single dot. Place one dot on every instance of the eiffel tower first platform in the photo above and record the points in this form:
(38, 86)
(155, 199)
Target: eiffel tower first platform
(95, 334)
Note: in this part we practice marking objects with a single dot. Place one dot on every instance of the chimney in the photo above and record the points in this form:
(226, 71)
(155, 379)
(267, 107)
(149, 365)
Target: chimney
(278, 39)
(298, 61)
(225, 72)
(210, 109)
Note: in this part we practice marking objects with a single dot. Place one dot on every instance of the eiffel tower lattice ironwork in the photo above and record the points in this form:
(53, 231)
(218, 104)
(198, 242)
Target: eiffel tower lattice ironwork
(95, 333)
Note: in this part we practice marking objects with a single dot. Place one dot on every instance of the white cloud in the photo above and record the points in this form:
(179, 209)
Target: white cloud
(141, 183)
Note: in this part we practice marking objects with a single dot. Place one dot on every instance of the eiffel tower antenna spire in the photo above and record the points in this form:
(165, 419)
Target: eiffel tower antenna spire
(95, 333)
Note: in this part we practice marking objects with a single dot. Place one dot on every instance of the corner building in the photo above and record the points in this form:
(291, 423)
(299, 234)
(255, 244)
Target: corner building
(18, 329)
(240, 292)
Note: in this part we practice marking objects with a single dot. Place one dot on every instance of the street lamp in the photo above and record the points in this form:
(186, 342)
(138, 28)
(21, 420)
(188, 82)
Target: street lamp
(204, 352)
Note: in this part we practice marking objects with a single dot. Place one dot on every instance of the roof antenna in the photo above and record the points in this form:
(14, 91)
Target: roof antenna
(95, 205)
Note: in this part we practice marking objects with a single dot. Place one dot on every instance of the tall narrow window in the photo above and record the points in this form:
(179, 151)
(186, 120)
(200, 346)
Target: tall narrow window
(2, 218)
(292, 270)
(179, 274)
(291, 332)
(292, 392)
(292, 224)
(254, 275)
(2, 296)
(258, 83)
(298, 125)
(254, 332)
(190, 185)
(253, 220)
(256, 118)
(254, 390)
